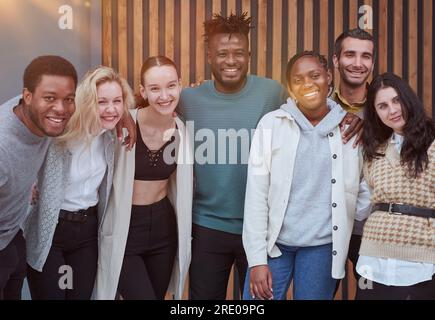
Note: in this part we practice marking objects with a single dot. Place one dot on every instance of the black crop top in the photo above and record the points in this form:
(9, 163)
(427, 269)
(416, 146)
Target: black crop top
(150, 165)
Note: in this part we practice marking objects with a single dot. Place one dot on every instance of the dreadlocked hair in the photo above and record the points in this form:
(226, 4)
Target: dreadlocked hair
(234, 23)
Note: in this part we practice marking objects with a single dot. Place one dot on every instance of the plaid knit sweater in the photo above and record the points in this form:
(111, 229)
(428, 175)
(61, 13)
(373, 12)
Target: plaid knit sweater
(402, 237)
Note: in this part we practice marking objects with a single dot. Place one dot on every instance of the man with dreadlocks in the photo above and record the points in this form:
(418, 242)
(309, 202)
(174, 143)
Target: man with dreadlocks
(226, 108)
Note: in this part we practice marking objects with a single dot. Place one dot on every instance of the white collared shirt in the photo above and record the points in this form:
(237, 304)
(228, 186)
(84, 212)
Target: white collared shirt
(394, 272)
(88, 166)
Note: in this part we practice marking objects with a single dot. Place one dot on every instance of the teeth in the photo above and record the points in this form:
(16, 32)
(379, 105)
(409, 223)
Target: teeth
(311, 94)
(55, 120)
(109, 118)
(230, 70)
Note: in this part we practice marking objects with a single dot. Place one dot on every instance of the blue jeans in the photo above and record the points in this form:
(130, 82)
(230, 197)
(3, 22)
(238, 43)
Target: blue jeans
(309, 266)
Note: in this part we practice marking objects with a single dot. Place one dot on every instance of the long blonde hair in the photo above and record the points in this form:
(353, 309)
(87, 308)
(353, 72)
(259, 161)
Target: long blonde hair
(85, 122)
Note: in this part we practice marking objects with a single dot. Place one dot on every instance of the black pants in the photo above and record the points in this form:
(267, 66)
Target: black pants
(213, 254)
(149, 253)
(420, 291)
(71, 266)
(13, 268)
(353, 255)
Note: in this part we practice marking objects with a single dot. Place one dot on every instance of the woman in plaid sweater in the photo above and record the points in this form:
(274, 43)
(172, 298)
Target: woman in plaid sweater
(397, 255)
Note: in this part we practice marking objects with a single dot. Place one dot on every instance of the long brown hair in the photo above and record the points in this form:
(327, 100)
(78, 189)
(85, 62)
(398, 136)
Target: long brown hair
(418, 132)
(155, 61)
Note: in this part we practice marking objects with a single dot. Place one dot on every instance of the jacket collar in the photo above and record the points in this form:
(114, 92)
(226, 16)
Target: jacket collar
(391, 153)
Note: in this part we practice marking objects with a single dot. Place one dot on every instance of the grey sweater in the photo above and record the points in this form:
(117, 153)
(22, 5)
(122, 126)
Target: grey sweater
(21, 156)
(308, 218)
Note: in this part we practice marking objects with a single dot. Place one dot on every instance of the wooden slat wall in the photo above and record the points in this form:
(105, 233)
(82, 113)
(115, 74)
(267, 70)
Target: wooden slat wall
(403, 28)
(403, 31)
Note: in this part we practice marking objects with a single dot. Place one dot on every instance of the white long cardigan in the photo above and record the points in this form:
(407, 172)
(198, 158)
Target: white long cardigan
(114, 229)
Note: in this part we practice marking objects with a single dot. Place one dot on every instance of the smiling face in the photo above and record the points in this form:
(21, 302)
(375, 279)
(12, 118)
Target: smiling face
(389, 109)
(356, 61)
(228, 56)
(162, 88)
(48, 109)
(110, 104)
(308, 85)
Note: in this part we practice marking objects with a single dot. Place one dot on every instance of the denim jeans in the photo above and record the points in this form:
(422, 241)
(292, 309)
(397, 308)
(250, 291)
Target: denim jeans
(308, 267)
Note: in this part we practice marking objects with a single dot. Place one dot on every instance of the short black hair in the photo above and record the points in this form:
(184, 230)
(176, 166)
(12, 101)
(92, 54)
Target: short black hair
(356, 33)
(234, 23)
(47, 65)
(322, 60)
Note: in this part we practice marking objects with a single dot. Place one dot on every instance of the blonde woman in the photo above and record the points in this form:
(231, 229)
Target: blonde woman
(74, 186)
(145, 237)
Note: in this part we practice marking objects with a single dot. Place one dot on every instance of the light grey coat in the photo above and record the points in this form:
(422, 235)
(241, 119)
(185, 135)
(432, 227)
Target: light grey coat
(43, 217)
(114, 230)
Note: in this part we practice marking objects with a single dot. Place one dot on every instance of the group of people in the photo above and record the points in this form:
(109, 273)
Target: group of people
(179, 199)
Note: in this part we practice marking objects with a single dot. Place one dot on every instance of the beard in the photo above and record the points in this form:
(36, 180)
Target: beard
(353, 83)
(232, 83)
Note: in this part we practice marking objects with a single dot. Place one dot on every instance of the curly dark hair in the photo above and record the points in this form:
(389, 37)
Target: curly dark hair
(322, 60)
(234, 23)
(47, 65)
(418, 132)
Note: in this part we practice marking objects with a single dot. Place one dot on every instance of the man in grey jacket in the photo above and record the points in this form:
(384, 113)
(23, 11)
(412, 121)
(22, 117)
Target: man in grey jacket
(47, 103)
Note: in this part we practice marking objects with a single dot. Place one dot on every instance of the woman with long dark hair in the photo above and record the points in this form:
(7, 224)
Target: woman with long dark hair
(397, 253)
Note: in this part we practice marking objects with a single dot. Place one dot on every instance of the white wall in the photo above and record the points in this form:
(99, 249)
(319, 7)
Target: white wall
(29, 28)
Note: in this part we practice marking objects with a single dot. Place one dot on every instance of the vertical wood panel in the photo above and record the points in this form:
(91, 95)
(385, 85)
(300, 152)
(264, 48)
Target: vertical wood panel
(185, 42)
(231, 7)
(246, 7)
(369, 3)
(338, 18)
(122, 38)
(154, 27)
(398, 36)
(428, 56)
(338, 26)
(137, 43)
(308, 25)
(353, 14)
(262, 32)
(413, 47)
(383, 36)
(292, 28)
(169, 26)
(324, 27)
(277, 39)
(200, 63)
(216, 6)
(107, 32)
